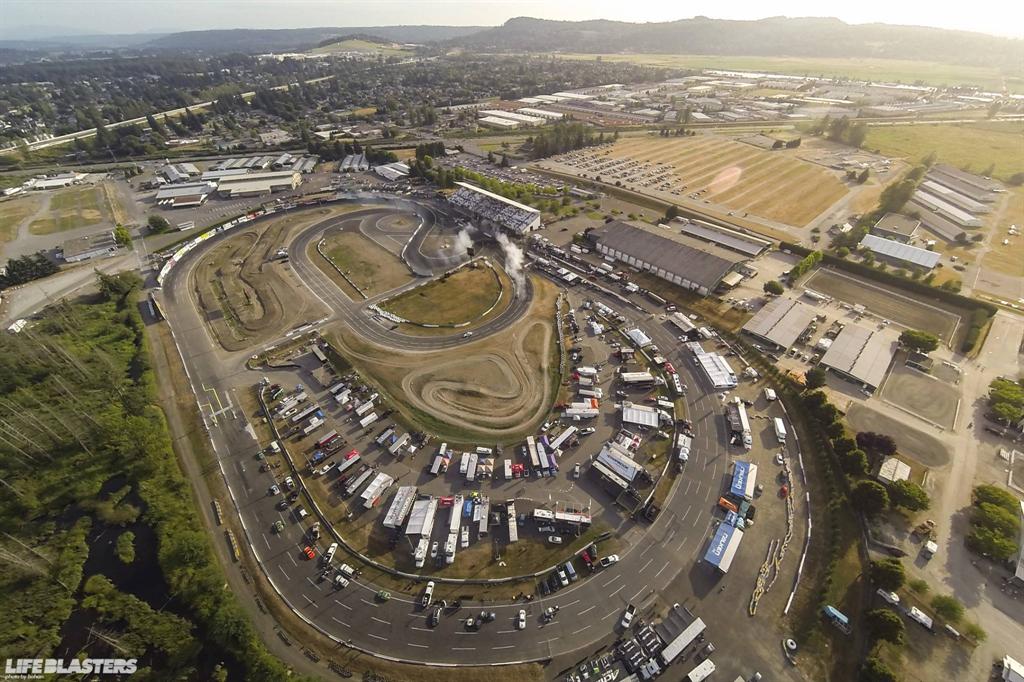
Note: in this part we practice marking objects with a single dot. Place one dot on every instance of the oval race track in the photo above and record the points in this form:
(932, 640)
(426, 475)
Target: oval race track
(589, 609)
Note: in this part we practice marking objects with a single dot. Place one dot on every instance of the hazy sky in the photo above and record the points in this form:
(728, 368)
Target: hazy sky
(1001, 17)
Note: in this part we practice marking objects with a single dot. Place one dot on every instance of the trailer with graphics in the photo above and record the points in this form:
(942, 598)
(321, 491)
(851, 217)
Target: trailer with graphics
(723, 547)
(375, 491)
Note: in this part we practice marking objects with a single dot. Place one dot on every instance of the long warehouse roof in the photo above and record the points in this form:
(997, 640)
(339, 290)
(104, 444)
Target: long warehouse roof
(901, 251)
(723, 236)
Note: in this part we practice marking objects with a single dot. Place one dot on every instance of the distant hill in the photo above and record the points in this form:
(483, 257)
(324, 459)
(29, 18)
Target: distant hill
(775, 37)
(360, 42)
(297, 39)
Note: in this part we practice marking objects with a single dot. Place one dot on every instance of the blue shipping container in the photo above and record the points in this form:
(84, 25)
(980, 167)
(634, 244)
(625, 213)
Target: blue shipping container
(740, 472)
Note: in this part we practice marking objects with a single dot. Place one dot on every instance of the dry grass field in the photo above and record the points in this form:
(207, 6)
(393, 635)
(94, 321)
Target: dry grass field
(1008, 258)
(497, 389)
(772, 184)
(74, 207)
(372, 267)
(461, 297)
(13, 212)
(886, 302)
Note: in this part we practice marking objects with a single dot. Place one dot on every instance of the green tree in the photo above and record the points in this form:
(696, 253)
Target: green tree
(918, 586)
(886, 625)
(948, 608)
(887, 574)
(158, 224)
(875, 669)
(996, 518)
(122, 236)
(997, 496)
(919, 341)
(671, 212)
(975, 632)
(854, 462)
(909, 495)
(118, 287)
(814, 378)
(842, 252)
(773, 286)
(991, 543)
(1007, 413)
(869, 498)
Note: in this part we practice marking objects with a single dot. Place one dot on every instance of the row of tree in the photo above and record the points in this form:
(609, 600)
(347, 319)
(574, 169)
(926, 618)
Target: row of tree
(564, 137)
(25, 269)
(995, 523)
(1006, 400)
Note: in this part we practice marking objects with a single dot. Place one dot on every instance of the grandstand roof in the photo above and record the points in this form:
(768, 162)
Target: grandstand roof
(509, 214)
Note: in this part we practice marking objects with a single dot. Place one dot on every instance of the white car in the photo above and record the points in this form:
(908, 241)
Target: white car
(521, 620)
(778, 458)
(329, 554)
(289, 483)
(433, 551)
(609, 560)
(627, 617)
(467, 335)
(587, 431)
(554, 539)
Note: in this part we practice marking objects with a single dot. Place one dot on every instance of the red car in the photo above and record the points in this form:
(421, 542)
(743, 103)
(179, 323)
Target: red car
(309, 552)
(669, 368)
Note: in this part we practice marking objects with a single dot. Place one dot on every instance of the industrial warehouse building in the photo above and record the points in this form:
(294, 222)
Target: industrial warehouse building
(494, 211)
(860, 355)
(727, 238)
(900, 254)
(780, 322)
(896, 227)
(92, 246)
(188, 194)
(258, 184)
(676, 258)
(498, 123)
(521, 119)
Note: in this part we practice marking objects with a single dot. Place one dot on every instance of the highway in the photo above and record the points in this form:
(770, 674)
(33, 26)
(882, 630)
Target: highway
(654, 557)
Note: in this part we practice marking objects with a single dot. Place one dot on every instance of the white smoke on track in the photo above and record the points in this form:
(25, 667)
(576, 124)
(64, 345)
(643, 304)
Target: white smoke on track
(463, 242)
(514, 260)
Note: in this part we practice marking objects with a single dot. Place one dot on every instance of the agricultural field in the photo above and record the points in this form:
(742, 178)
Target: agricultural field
(772, 184)
(497, 389)
(370, 266)
(1008, 259)
(74, 207)
(974, 146)
(901, 70)
(886, 302)
(363, 46)
(463, 296)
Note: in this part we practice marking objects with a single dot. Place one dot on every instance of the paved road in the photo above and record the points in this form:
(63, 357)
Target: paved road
(656, 556)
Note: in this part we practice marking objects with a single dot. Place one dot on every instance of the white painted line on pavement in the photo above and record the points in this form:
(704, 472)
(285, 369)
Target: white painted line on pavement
(311, 601)
(345, 606)
(465, 632)
(585, 627)
(639, 592)
(266, 540)
(383, 639)
(414, 627)
(340, 621)
(662, 569)
(572, 603)
(418, 646)
(294, 562)
(644, 567)
(617, 576)
(587, 610)
(499, 648)
(608, 615)
(621, 587)
(379, 620)
(282, 570)
(463, 648)
(368, 603)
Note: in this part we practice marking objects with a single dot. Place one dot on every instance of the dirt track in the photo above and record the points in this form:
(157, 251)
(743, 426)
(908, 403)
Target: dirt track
(494, 388)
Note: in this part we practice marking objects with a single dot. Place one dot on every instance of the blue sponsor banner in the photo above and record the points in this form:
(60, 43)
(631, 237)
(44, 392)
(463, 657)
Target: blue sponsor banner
(740, 472)
(719, 544)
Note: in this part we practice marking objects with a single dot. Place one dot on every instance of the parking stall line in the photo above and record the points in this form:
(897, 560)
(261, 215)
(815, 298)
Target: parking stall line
(383, 639)
(463, 648)
(617, 576)
(415, 627)
(644, 567)
(572, 603)
(499, 648)
(418, 646)
(662, 569)
(368, 603)
(266, 540)
(506, 632)
(608, 615)
(621, 587)
(585, 627)
(311, 601)
(587, 610)
(282, 570)
(464, 632)
(343, 605)
(379, 620)
(638, 593)
(340, 621)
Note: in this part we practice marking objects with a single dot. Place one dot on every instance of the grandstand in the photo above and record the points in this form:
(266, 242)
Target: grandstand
(493, 210)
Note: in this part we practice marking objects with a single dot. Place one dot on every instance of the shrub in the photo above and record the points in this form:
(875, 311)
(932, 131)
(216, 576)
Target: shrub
(886, 625)
(875, 669)
(918, 586)
(995, 495)
(870, 498)
(948, 608)
(887, 574)
(908, 495)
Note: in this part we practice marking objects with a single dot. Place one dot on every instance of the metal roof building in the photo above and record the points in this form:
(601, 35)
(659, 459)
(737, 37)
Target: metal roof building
(513, 116)
(498, 122)
(861, 355)
(639, 414)
(717, 370)
(896, 227)
(893, 470)
(901, 253)
(421, 520)
(945, 208)
(673, 257)
(933, 222)
(780, 322)
(257, 184)
(90, 246)
(619, 461)
(734, 240)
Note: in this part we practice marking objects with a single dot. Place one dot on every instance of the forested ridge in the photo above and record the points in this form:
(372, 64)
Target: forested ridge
(86, 458)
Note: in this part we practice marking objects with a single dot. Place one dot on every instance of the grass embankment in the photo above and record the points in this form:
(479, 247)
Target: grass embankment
(1008, 258)
(461, 297)
(370, 267)
(74, 207)
(902, 70)
(95, 381)
(975, 146)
